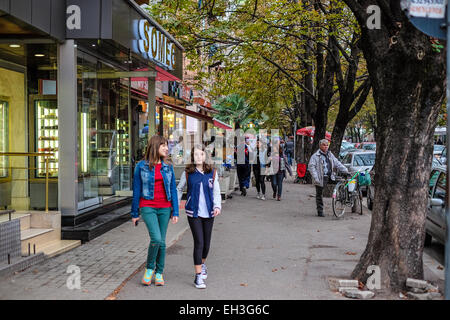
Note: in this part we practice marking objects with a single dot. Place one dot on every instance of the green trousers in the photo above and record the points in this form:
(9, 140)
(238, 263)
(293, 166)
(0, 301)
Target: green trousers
(156, 220)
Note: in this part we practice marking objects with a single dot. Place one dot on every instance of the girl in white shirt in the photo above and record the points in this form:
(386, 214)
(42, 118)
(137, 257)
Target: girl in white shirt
(203, 204)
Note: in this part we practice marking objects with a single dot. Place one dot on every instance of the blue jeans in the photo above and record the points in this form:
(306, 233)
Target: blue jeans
(277, 183)
(156, 220)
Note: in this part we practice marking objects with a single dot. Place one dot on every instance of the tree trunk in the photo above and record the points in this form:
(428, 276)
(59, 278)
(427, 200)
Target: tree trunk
(408, 87)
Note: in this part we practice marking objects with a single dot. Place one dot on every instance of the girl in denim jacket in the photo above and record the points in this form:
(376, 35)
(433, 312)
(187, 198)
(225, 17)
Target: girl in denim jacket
(155, 196)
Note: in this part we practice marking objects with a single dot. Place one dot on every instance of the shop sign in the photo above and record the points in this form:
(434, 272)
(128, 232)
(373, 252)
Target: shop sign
(154, 45)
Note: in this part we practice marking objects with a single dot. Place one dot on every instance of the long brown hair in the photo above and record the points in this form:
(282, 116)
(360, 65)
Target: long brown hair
(152, 153)
(207, 165)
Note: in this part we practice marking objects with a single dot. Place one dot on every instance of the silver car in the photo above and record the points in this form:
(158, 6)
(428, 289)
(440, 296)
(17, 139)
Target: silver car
(359, 160)
(435, 225)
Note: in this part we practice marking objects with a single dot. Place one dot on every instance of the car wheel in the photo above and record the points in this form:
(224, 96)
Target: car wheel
(428, 239)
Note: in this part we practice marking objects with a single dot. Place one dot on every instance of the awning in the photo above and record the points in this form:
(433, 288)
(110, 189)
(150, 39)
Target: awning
(163, 75)
(187, 112)
(221, 124)
(196, 115)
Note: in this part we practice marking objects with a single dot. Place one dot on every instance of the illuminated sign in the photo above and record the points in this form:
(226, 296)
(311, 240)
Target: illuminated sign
(154, 45)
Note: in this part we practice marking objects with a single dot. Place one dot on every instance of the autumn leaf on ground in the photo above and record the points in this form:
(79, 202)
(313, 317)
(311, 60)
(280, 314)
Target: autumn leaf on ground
(360, 285)
(244, 284)
(107, 242)
(350, 253)
(274, 270)
(440, 267)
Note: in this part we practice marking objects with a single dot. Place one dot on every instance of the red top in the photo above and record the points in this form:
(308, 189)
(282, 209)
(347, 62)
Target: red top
(160, 198)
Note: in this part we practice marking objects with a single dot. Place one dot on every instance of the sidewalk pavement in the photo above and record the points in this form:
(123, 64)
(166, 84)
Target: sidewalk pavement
(259, 250)
(104, 262)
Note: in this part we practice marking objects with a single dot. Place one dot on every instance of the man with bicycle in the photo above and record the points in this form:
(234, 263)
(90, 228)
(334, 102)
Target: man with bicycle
(322, 167)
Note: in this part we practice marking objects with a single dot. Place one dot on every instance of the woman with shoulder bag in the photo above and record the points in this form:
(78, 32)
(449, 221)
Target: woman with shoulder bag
(155, 196)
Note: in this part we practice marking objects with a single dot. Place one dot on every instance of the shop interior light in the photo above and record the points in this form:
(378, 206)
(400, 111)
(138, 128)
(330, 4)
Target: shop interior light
(14, 45)
(39, 55)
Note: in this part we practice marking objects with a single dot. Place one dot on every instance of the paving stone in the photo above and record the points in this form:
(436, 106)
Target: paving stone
(419, 296)
(415, 283)
(358, 294)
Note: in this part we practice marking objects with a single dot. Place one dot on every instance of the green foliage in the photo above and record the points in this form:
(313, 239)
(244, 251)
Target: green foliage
(234, 109)
(256, 49)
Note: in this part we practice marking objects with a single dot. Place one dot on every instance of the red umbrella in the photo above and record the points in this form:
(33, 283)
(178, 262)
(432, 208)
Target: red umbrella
(309, 132)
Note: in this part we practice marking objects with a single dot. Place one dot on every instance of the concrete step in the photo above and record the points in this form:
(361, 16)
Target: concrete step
(38, 237)
(25, 219)
(57, 247)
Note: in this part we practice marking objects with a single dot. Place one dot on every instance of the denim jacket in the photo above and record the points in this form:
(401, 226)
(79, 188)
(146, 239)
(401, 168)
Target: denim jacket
(144, 186)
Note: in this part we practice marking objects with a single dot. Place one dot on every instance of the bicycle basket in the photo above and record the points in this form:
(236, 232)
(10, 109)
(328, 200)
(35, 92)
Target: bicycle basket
(351, 185)
(364, 179)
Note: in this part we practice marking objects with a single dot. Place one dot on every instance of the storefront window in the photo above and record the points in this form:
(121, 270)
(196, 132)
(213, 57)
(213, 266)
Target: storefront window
(46, 111)
(104, 142)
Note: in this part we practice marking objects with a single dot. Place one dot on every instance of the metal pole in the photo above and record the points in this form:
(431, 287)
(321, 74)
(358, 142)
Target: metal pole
(46, 184)
(447, 208)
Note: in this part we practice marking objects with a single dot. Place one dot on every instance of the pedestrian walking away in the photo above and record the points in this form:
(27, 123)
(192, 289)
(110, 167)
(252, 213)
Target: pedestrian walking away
(259, 169)
(155, 198)
(277, 178)
(323, 167)
(203, 204)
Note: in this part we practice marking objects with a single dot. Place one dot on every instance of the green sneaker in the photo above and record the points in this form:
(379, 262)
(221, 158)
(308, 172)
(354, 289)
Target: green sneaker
(147, 279)
(159, 281)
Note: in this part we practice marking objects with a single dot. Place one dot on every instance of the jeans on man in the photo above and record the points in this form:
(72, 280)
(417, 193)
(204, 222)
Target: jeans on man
(319, 196)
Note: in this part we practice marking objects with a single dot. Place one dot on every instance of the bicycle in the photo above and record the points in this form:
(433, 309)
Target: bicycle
(347, 194)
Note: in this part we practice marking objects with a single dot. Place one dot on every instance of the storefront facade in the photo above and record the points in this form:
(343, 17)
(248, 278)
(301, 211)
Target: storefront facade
(66, 70)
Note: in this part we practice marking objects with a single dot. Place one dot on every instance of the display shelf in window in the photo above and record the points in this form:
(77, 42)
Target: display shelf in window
(47, 136)
(4, 138)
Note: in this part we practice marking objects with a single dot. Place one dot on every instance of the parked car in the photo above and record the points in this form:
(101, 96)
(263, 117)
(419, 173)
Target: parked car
(359, 160)
(366, 145)
(437, 149)
(369, 146)
(346, 145)
(442, 156)
(371, 188)
(435, 225)
(343, 153)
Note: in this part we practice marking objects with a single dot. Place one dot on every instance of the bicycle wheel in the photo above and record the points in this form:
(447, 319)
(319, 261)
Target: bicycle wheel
(357, 201)
(338, 201)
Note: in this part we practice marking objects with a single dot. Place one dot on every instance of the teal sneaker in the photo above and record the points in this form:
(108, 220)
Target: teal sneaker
(159, 281)
(147, 279)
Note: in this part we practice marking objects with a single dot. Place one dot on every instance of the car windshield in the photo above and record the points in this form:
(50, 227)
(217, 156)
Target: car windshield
(438, 148)
(346, 145)
(364, 160)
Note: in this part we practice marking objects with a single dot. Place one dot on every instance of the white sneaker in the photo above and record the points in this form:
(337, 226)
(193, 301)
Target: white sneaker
(199, 283)
(263, 197)
(204, 271)
(258, 196)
